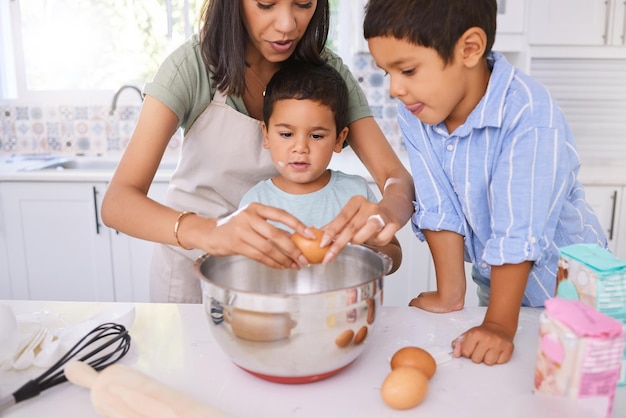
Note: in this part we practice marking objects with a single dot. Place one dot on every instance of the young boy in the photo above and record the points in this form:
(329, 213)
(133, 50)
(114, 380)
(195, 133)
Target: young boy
(493, 160)
(304, 121)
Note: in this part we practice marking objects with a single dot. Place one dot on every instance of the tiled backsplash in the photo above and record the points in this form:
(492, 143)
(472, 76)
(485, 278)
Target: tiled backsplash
(71, 130)
(92, 130)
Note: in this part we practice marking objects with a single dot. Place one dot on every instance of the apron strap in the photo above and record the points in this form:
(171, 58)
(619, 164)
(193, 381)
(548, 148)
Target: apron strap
(219, 97)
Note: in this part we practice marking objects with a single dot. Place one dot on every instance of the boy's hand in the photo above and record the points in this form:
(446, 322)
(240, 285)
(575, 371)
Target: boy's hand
(488, 343)
(492, 341)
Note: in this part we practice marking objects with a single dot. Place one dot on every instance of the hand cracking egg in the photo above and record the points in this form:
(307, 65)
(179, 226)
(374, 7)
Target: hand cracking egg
(311, 248)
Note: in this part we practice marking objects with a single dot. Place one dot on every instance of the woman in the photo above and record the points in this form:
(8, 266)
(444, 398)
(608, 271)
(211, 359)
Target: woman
(213, 87)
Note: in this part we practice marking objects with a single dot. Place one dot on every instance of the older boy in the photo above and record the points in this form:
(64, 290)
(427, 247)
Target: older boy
(304, 122)
(493, 159)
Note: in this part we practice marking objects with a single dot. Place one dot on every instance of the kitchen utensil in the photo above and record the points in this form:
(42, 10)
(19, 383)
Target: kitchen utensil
(293, 326)
(102, 346)
(121, 391)
(9, 333)
(25, 358)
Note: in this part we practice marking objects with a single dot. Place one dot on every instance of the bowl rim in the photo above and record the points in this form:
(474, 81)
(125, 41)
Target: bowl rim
(386, 267)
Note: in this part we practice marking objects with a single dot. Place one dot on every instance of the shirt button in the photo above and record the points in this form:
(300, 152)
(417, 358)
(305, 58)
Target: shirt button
(533, 240)
(483, 265)
(450, 147)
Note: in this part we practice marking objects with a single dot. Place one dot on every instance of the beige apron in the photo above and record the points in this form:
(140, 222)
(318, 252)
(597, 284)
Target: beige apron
(222, 157)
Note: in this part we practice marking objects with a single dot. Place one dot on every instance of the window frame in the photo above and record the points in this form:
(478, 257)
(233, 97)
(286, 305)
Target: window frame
(13, 87)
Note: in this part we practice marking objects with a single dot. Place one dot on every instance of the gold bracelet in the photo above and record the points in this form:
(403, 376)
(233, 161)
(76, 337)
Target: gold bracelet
(177, 225)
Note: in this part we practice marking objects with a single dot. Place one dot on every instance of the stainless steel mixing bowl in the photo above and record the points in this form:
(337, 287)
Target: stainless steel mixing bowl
(293, 326)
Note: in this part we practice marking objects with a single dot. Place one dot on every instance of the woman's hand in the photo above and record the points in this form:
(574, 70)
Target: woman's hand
(247, 232)
(360, 221)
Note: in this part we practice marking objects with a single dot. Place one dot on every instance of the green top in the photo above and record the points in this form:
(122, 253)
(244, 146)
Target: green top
(593, 256)
(184, 84)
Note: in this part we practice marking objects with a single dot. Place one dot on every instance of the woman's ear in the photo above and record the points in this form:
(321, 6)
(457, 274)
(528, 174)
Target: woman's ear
(340, 139)
(266, 141)
(471, 46)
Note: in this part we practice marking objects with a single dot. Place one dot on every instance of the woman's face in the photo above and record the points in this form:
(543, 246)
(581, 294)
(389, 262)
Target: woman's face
(276, 26)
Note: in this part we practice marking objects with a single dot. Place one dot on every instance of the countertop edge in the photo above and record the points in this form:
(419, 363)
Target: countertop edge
(592, 173)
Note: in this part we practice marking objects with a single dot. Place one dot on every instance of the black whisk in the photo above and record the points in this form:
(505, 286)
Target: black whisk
(107, 343)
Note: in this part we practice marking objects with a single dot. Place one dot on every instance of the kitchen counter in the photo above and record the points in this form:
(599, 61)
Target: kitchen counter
(16, 168)
(173, 344)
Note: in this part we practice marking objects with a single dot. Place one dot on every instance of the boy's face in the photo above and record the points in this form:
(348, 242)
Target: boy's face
(431, 90)
(301, 136)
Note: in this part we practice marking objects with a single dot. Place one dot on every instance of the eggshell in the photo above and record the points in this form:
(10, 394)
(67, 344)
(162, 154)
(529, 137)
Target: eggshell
(415, 357)
(311, 247)
(404, 388)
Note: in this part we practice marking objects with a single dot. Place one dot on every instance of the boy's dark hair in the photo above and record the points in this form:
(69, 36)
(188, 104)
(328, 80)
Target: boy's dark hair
(436, 24)
(320, 83)
(223, 39)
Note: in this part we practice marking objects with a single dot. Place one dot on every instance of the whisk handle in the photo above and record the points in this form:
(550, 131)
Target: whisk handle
(28, 390)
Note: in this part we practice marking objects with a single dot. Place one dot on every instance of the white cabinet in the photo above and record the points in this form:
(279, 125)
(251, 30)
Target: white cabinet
(607, 203)
(132, 258)
(56, 245)
(5, 283)
(414, 274)
(620, 227)
(510, 16)
(577, 22)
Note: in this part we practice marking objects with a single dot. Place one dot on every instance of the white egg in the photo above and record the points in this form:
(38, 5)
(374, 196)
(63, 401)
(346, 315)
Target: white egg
(9, 333)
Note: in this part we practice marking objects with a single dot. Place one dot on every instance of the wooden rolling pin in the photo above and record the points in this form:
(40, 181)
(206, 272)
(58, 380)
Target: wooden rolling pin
(120, 391)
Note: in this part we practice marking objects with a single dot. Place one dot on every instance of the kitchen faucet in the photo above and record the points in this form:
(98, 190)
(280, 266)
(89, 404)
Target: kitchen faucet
(117, 93)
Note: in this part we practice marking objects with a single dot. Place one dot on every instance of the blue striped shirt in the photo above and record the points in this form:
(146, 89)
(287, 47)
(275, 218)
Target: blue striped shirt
(505, 180)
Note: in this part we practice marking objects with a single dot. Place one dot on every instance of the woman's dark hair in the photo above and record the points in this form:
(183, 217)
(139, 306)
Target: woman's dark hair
(436, 24)
(300, 80)
(223, 40)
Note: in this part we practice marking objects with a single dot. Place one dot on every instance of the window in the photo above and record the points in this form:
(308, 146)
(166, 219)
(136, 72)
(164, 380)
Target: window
(79, 52)
(87, 46)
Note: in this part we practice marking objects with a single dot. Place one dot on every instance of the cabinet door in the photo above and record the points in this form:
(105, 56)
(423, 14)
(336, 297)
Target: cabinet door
(415, 274)
(510, 16)
(132, 257)
(5, 282)
(568, 22)
(606, 203)
(620, 226)
(57, 246)
(618, 30)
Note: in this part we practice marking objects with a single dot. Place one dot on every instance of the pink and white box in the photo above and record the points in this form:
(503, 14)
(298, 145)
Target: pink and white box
(580, 352)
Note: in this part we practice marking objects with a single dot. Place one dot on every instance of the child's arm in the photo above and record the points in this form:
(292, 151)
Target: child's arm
(393, 250)
(492, 341)
(446, 248)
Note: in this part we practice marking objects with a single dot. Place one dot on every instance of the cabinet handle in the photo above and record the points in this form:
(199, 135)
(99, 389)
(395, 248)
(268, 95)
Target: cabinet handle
(614, 197)
(607, 20)
(95, 207)
(624, 26)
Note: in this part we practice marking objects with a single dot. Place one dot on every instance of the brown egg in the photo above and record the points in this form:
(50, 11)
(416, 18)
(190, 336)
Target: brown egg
(404, 388)
(415, 357)
(311, 247)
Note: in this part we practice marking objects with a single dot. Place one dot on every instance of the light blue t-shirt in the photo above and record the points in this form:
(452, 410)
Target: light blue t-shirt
(313, 209)
(506, 180)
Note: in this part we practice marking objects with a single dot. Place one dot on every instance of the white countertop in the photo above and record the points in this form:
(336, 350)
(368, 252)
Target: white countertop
(173, 344)
(13, 168)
